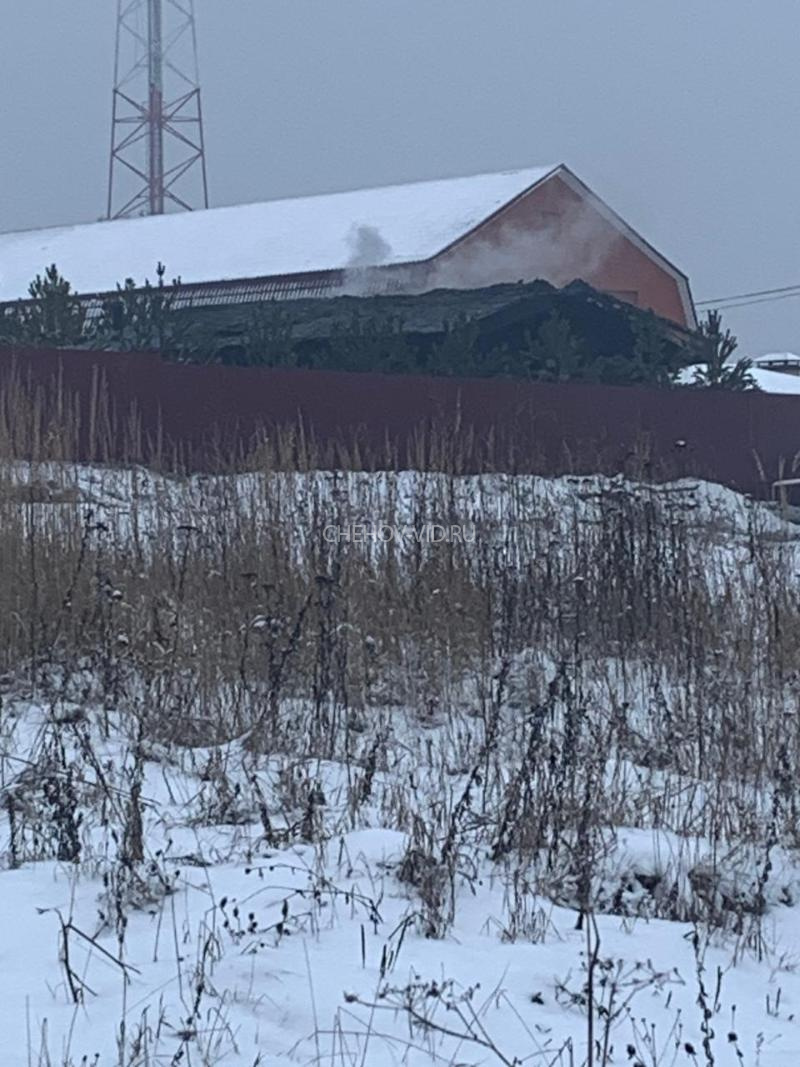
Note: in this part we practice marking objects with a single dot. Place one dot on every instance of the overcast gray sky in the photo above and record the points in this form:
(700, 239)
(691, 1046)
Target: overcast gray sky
(682, 115)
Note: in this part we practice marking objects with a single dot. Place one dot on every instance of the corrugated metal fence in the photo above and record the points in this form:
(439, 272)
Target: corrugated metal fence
(745, 440)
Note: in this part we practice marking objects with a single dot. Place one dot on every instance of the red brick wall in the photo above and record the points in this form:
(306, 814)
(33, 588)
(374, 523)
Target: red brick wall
(553, 233)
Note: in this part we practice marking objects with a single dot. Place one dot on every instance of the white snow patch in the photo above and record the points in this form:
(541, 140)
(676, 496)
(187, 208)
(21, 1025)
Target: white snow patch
(770, 381)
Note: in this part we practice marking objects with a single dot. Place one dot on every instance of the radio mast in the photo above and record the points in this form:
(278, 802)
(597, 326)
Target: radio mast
(158, 160)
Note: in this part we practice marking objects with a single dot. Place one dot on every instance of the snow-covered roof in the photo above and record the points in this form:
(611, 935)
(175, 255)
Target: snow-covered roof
(367, 227)
(778, 357)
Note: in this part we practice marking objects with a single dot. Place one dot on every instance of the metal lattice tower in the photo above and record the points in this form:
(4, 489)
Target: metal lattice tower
(158, 160)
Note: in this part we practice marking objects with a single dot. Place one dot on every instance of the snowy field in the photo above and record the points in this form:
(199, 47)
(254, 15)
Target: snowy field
(234, 944)
(547, 847)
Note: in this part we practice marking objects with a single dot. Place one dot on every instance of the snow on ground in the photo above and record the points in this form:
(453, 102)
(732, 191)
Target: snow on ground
(225, 948)
(403, 498)
(367, 902)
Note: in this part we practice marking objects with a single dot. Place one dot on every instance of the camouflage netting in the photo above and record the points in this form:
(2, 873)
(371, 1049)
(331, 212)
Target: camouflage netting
(528, 330)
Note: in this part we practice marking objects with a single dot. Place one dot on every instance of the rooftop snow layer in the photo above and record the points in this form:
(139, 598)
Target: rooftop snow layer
(364, 228)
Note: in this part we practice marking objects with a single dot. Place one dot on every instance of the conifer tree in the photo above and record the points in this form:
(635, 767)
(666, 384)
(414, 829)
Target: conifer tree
(53, 314)
(718, 372)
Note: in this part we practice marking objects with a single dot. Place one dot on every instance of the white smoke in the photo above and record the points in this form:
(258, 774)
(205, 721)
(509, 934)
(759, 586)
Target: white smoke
(368, 247)
(570, 244)
(368, 250)
(560, 249)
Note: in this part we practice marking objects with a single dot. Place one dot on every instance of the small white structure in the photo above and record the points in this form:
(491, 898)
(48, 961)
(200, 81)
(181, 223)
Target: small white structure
(785, 362)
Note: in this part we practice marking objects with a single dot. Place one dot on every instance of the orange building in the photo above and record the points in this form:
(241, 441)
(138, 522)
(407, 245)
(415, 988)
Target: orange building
(473, 232)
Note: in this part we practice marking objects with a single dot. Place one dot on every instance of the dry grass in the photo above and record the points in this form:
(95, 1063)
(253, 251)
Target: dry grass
(592, 657)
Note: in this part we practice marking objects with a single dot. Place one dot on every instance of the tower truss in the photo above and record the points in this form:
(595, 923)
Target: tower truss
(158, 159)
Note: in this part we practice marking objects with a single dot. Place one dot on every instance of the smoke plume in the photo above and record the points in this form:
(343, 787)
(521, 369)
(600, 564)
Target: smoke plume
(562, 248)
(368, 247)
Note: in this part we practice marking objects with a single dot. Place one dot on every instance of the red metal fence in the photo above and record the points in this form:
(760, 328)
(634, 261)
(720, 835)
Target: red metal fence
(745, 440)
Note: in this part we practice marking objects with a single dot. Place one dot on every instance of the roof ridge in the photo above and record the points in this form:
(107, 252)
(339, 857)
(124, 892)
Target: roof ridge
(541, 170)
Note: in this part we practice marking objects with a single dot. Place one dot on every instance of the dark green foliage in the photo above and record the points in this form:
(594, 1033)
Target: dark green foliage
(526, 331)
(269, 336)
(555, 354)
(653, 360)
(530, 331)
(719, 346)
(457, 351)
(364, 343)
(53, 316)
(142, 319)
(261, 337)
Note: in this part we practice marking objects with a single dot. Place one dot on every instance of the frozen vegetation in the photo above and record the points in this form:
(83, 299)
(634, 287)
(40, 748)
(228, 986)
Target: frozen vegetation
(273, 793)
